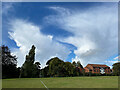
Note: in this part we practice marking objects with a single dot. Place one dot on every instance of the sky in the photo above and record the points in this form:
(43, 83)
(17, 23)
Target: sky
(73, 31)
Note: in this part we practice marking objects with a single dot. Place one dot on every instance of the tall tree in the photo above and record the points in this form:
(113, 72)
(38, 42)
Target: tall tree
(79, 64)
(74, 63)
(31, 56)
(29, 69)
(9, 63)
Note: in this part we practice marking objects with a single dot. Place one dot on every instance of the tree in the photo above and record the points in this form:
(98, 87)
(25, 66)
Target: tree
(56, 67)
(77, 67)
(69, 69)
(80, 68)
(29, 69)
(9, 63)
(37, 64)
(48, 62)
(116, 69)
(31, 56)
(79, 64)
(74, 63)
(45, 72)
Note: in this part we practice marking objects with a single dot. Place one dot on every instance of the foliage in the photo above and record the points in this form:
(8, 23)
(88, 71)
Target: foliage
(55, 67)
(29, 69)
(74, 63)
(79, 64)
(9, 63)
(58, 68)
(116, 69)
(68, 69)
(45, 72)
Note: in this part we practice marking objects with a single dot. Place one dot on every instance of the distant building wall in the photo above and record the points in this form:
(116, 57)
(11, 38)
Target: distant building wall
(96, 68)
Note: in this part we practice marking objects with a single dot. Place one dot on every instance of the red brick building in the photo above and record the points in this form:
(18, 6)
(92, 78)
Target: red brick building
(98, 68)
(81, 69)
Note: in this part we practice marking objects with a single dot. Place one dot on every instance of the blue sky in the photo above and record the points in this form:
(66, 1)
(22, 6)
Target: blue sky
(85, 32)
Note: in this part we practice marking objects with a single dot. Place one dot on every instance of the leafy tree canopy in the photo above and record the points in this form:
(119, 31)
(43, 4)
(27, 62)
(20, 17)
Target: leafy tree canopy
(9, 63)
(116, 68)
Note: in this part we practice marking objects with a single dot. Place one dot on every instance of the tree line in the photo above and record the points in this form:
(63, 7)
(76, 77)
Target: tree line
(58, 68)
(55, 67)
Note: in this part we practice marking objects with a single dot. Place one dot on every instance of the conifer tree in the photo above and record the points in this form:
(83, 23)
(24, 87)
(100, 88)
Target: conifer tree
(29, 69)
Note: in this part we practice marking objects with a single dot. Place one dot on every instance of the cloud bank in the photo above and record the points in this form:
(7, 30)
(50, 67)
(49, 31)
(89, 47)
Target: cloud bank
(95, 34)
(26, 34)
(95, 31)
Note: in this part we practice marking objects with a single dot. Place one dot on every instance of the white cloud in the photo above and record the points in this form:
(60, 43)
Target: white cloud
(95, 31)
(110, 63)
(117, 58)
(26, 34)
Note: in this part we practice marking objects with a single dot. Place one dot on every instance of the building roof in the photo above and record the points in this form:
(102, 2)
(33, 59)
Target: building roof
(98, 65)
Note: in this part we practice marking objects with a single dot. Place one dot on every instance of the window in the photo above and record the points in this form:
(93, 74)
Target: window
(94, 70)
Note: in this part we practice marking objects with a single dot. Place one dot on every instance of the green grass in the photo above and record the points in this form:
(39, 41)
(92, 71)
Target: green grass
(63, 82)
(22, 83)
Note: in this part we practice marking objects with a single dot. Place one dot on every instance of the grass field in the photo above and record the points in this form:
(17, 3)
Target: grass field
(62, 82)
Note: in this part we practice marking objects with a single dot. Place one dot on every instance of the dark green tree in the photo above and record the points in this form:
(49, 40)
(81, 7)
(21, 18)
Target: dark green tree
(9, 63)
(74, 63)
(79, 64)
(31, 56)
(45, 72)
(48, 62)
(116, 69)
(37, 65)
(56, 67)
(69, 69)
(29, 69)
